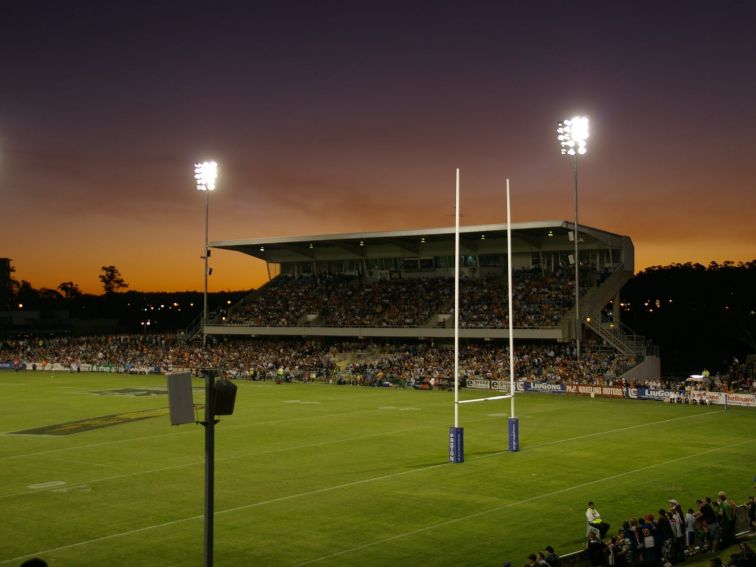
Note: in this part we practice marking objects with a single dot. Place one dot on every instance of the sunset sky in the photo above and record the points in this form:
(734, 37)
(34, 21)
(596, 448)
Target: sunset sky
(329, 117)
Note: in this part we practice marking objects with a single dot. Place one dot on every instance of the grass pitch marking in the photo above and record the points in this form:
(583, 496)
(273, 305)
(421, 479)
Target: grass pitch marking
(93, 423)
(515, 503)
(334, 442)
(389, 476)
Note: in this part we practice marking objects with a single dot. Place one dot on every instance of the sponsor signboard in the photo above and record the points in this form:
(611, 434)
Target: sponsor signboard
(747, 400)
(499, 385)
(603, 391)
(478, 384)
(545, 387)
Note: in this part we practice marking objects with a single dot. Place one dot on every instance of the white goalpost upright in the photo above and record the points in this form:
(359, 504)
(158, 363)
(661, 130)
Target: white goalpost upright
(514, 422)
(456, 433)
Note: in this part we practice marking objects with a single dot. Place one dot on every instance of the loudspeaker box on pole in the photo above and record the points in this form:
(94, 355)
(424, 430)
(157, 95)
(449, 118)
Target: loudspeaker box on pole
(180, 398)
(224, 398)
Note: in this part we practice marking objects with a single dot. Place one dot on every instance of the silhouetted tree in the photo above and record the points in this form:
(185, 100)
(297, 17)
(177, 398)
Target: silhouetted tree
(112, 280)
(70, 290)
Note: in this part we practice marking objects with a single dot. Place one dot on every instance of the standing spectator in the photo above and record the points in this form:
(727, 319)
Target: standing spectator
(665, 535)
(648, 533)
(552, 557)
(728, 509)
(630, 532)
(690, 531)
(712, 523)
(612, 550)
(751, 508)
(623, 554)
(677, 520)
(596, 550)
(540, 560)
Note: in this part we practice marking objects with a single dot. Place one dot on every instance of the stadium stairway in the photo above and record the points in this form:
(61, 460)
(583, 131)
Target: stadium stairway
(615, 334)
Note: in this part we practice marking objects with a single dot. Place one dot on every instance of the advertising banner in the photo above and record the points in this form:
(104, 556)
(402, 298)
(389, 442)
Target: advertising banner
(747, 400)
(498, 385)
(545, 387)
(604, 391)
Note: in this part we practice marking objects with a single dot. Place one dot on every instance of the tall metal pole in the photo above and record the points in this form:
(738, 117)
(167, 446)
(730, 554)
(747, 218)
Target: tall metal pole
(205, 173)
(578, 328)
(209, 419)
(573, 135)
(209, 464)
(204, 303)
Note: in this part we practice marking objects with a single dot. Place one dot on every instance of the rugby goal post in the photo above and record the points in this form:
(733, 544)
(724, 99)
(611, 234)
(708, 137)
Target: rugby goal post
(456, 433)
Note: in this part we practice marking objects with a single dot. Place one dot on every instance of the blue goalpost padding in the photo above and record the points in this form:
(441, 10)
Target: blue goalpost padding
(456, 445)
(514, 434)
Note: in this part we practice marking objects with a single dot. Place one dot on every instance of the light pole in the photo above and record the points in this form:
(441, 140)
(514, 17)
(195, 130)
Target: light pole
(573, 135)
(206, 173)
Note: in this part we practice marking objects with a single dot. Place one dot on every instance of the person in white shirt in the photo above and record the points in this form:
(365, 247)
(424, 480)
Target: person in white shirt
(595, 523)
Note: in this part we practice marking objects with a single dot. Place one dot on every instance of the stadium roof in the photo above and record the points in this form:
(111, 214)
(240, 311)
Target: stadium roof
(545, 236)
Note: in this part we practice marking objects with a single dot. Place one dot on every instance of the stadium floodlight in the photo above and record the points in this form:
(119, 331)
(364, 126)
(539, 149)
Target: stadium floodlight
(206, 173)
(573, 136)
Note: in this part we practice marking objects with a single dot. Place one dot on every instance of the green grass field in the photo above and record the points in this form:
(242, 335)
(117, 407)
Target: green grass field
(314, 474)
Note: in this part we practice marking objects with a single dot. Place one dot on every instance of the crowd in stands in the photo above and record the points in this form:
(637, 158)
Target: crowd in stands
(535, 362)
(297, 359)
(540, 300)
(427, 364)
(130, 353)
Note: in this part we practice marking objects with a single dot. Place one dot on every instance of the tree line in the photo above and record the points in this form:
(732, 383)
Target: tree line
(66, 309)
(701, 316)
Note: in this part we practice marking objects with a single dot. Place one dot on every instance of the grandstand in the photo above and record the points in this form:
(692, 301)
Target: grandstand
(399, 285)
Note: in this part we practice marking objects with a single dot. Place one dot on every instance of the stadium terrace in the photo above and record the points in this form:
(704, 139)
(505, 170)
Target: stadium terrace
(399, 285)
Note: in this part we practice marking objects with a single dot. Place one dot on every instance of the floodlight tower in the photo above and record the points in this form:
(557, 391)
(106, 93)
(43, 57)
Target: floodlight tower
(205, 174)
(573, 135)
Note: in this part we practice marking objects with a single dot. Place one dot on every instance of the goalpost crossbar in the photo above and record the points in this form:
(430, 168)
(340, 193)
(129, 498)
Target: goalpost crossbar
(508, 396)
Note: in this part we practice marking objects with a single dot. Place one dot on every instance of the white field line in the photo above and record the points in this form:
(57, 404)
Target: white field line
(335, 442)
(223, 459)
(385, 477)
(516, 503)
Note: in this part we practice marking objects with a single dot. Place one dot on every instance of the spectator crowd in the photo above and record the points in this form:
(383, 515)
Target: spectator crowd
(540, 300)
(665, 538)
(298, 359)
(425, 364)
